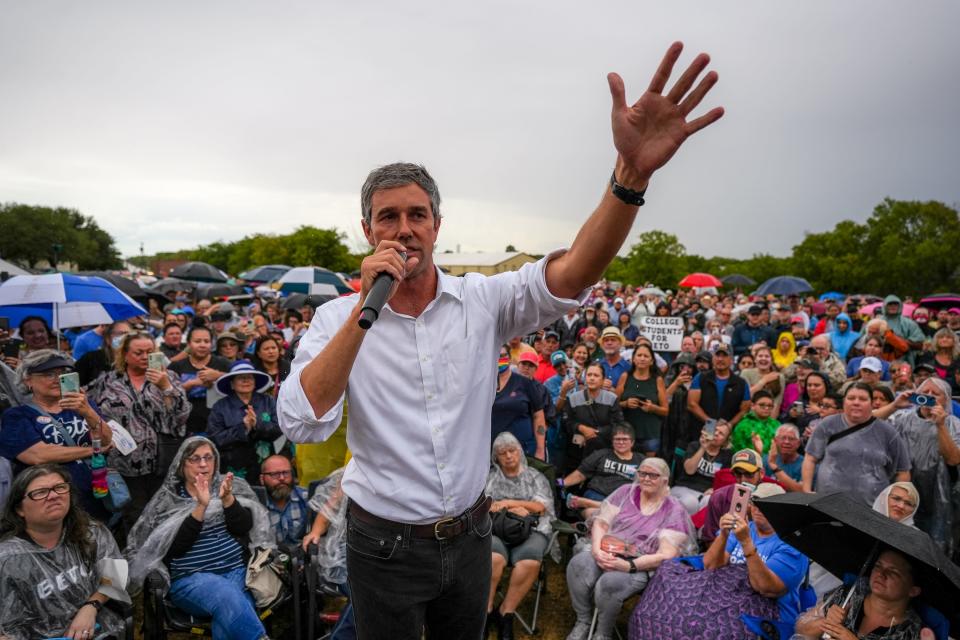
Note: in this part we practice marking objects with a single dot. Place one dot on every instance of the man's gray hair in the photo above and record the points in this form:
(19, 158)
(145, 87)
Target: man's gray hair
(31, 360)
(784, 428)
(398, 174)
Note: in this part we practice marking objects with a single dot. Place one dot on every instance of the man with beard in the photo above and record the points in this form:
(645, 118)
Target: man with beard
(611, 341)
(286, 502)
(591, 336)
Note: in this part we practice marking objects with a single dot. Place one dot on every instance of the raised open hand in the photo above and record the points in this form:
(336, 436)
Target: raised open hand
(648, 133)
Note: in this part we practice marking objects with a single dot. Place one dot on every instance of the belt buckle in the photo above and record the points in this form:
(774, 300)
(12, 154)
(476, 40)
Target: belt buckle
(442, 523)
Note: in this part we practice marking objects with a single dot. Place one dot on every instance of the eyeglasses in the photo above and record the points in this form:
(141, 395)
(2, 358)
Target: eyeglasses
(277, 474)
(765, 405)
(647, 475)
(624, 439)
(49, 375)
(60, 489)
(198, 459)
(132, 335)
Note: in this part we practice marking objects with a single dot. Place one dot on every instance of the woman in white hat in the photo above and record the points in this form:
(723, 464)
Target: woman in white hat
(244, 424)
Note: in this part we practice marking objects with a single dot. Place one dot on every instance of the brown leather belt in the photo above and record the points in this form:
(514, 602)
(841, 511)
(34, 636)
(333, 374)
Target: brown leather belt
(444, 529)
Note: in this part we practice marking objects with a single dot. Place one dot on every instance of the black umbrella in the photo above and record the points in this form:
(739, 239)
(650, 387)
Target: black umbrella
(842, 534)
(784, 286)
(126, 285)
(166, 285)
(198, 272)
(219, 290)
(297, 300)
(738, 280)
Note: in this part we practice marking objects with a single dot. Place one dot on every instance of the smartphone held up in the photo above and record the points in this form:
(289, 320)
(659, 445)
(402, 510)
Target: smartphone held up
(69, 383)
(740, 501)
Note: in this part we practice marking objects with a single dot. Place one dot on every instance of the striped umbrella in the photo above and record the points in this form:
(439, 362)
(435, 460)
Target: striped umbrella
(313, 280)
(65, 300)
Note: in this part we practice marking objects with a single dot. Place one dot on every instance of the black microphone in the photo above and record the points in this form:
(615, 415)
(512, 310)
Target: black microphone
(376, 298)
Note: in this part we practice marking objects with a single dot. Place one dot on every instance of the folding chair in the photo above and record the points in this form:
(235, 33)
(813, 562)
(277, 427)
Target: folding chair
(161, 617)
(593, 626)
(539, 587)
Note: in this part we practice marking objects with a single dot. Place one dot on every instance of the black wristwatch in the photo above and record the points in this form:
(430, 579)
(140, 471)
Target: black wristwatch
(628, 196)
(775, 470)
(633, 567)
(95, 604)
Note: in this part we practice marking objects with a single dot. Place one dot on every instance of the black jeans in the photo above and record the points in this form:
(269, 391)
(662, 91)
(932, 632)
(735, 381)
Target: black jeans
(400, 584)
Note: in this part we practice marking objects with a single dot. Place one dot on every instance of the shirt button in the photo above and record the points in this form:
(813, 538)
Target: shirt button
(441, 468)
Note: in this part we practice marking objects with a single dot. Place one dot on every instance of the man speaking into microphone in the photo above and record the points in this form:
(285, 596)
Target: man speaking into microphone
(422, 379)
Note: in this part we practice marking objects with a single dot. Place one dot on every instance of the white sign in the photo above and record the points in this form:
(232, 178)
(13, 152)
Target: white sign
(122, 440)
(665, 332)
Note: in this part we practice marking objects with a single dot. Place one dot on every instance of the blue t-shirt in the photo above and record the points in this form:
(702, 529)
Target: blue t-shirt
(721, 386)
(793, 469)
(786, 562)
(612, 372)
(86, 342)
(513, 410)
(24, 426)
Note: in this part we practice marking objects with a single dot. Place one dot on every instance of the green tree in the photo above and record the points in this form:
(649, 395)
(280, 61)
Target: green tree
(657, 257)
(32, 234)
(913, 247)
(833, 260)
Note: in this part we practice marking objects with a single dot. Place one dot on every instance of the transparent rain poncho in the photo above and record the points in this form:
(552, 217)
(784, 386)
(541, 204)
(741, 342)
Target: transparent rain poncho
(664, 520)
(154, 532)
(330, 502)
(929, 473)
(528, 485)
(42, 589)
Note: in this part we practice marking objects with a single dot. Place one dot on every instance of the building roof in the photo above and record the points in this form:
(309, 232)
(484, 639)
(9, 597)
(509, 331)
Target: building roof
(12, 269)
(477, 259)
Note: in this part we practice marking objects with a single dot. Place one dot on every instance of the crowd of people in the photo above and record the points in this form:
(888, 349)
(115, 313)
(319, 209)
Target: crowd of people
(643, 448)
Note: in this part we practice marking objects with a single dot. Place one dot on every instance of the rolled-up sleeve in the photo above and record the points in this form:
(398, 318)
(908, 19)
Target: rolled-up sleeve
(297, 418)
(526, 303)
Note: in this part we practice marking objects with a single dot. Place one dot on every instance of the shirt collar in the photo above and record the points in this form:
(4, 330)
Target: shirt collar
(450, 285)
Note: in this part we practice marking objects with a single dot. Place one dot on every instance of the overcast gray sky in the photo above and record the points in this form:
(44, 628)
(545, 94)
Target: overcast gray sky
(179, 123)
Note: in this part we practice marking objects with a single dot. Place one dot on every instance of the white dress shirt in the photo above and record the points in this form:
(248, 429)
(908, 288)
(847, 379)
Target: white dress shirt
(421, 391)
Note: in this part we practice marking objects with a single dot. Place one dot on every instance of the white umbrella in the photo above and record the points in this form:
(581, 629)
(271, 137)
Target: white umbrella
(652, 291)
(65, 300)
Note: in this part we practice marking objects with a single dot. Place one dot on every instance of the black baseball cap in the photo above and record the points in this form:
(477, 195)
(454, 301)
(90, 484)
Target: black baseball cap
(57, 361)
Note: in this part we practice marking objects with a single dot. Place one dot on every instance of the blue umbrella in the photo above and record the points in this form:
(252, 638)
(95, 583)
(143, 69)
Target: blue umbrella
(65, 300)
(784, 286)
(832, 295)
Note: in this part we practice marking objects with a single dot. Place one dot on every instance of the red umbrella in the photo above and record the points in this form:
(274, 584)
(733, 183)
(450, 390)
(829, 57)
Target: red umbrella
(701, 280)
